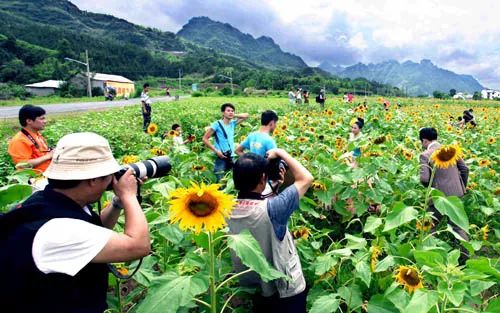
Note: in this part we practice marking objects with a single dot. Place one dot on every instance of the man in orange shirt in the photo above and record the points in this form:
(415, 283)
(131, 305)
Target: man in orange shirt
(28, 145)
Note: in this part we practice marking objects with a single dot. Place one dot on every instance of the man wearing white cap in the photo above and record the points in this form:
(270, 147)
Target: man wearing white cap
(54, 248)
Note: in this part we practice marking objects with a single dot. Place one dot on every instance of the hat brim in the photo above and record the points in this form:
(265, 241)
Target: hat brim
(71, 171)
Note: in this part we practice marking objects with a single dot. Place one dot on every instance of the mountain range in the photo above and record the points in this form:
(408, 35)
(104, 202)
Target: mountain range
(413, 78)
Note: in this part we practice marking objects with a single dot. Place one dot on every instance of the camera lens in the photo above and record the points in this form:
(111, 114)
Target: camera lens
(152, 168)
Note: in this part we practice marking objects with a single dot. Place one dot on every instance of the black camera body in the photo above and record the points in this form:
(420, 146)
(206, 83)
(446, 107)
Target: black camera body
(152, 168)
(274, 167)
(228, 159)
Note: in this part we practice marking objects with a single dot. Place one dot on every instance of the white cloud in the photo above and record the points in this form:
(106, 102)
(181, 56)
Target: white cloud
(345, 32)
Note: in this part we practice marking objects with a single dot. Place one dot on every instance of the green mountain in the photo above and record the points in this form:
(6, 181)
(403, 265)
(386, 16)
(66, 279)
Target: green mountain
(414, 78)
(224, 38)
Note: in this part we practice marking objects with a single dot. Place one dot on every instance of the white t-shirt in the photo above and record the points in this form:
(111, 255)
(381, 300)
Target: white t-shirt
(178, 140)
(291, 95)
(66, 245)
(145, 97)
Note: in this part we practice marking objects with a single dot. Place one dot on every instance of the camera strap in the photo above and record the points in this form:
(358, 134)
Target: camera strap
(225, 136)
(27, 134)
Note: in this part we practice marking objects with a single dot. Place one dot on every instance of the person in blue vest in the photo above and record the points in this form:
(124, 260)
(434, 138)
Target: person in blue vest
(223, 132)
(54, 247)
(259, 142)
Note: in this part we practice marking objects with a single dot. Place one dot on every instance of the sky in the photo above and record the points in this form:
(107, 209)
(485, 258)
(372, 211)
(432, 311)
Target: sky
(458, 35)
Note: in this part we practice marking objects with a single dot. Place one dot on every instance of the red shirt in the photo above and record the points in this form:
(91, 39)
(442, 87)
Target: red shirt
(22, 149)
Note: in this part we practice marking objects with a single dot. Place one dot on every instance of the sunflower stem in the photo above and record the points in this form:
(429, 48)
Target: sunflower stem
(213, 290)
(426, 204)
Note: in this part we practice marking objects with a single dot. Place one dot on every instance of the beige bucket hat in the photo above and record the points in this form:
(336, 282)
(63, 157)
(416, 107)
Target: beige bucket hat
(82, 156)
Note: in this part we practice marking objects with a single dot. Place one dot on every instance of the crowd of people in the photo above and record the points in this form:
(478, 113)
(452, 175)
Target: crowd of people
(57, 270)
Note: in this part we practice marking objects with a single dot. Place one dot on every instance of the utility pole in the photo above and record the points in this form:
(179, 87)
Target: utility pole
(180, 80)
(89, 88)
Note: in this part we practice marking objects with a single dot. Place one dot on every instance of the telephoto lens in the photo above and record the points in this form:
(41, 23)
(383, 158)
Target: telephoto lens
(152, 168)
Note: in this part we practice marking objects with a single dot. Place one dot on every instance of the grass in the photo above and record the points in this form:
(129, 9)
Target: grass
(47, 100)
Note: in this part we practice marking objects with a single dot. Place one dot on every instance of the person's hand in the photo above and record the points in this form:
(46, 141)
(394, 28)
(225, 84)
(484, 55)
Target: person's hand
(49, 155)
(272, 154)
(220, 154)
(126, 186)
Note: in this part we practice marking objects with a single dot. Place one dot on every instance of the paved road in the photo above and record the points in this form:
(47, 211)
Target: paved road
(13, 112)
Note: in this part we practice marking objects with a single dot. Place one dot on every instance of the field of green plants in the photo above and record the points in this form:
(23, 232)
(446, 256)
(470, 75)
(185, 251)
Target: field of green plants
(381, 259)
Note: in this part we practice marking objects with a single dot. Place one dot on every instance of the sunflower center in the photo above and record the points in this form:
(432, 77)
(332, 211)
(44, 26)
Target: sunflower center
(411, 277)
(201, 208)
(446, 154)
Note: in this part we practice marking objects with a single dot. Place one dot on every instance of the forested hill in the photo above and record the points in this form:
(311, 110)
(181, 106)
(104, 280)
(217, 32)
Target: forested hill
(227, 39)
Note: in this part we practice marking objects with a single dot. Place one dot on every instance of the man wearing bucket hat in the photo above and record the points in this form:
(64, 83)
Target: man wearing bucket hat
(54, 248)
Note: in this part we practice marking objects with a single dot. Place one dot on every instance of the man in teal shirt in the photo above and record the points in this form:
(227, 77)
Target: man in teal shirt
(260, 142)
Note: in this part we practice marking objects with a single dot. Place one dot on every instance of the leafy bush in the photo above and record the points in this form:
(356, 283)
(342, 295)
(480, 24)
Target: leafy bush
(197, 94)
(9, 91)
(97, 92)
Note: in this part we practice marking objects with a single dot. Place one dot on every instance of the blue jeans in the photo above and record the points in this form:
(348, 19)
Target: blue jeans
(220, 167)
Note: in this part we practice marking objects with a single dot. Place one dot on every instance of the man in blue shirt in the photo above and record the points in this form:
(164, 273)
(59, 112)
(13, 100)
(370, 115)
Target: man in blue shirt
(260, 142)
(223, 132)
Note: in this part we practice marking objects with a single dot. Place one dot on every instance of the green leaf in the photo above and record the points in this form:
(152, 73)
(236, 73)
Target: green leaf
(478, 286)
(453, 256)
(363, 272)
(422, 301)
(171, 233)
(483, 265)
(248, 250)
(351, 295)
(379, 304)
(400, 214)
(371, 224)
(457, 292)
(398, 296)
(355, 243)
(383, 265)
(341, 252)
(324, 263)
(429, 258)
(171, 296)
(325, 304)
(12, 194)
(493, 306)
(453, 208)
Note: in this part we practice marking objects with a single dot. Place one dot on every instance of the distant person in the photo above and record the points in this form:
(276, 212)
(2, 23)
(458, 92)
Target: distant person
(223, 132)
(469, 117)
(320, 98)
(167, 92)
(179, 143)
(350, 97)
(259, 142)
(28, 145)
(452, 181)
(291, 96)
(346, 99)
(298, 96)
(146, 107)
(355, 134)
(305, 95)
(267, 220)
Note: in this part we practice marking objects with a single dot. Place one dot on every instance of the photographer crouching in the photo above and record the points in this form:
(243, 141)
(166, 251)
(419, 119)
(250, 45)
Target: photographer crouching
(267, 220)
(54, 248)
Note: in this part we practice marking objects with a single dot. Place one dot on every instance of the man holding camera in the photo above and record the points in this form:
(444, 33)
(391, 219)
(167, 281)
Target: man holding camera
(223, 132)
(54, 248)
(267, 220)
(28, 145)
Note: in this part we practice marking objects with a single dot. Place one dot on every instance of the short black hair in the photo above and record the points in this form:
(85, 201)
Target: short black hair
(248, 170)
(267, 117)
(225, 105)
(174, 126)
(63, 184)
(360, 122)
(429, 133)
(29, 112)
(145, 85)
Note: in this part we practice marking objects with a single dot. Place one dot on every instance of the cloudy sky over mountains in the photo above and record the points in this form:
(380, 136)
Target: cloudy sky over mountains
(459, 35)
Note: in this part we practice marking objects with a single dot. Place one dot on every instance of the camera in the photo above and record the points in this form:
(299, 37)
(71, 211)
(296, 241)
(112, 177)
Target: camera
(274, 167)
(152, 168)
(229, 158)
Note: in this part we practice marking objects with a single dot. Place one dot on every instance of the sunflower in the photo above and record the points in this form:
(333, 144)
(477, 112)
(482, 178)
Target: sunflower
(302, 139)
(331, 273)
(200, 207)
(128, 159)
(157, 151)
(485, 230)
(408, 155)
(283, 127)
(199, 168)
(484, 163)
(329, 112)
(152, 129)
(379, 140)
(449, 128)
(353, 121)
(318, 186)
(426, 226)
(446, 156)
(312, 130)
(321, 137)
(374, 257)
(332, 123)
(301, 232)
(491, 141)
(409, 277)
(173, 133)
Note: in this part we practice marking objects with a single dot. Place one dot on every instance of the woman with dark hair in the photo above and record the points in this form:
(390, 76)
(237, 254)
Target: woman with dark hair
(356, 134)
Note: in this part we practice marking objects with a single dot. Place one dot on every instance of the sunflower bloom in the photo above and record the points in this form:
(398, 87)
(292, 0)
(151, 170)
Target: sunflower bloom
(200, 207)
(301, 232)
(331, 273)
(484, 163)
(491, 141)
(318, 186)
(152, 129)
(408, 155)
(409, 278)
(302, 139)
(173, 133)
(446, 156)
(484, 231)
(426, 225)
(374, 257)
(379, 140)
(199, 168)
(129, 159)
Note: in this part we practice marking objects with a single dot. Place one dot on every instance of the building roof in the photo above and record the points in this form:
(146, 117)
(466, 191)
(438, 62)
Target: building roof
(109, 77)
(47, 84)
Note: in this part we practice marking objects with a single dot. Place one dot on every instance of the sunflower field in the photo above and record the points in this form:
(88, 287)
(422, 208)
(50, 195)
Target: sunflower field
(364, 237)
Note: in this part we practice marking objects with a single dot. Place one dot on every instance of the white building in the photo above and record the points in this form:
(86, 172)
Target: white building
(45, 88)
(490, 94)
